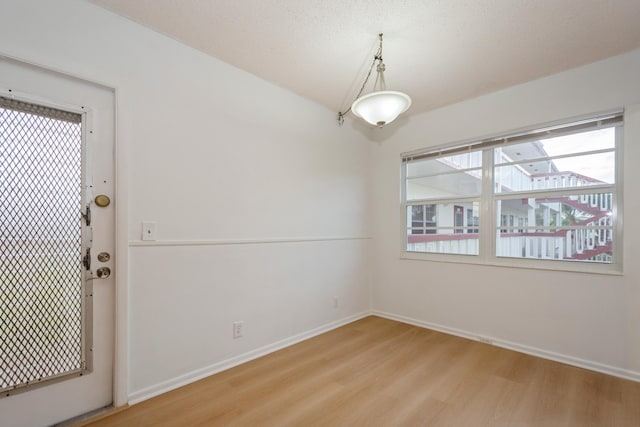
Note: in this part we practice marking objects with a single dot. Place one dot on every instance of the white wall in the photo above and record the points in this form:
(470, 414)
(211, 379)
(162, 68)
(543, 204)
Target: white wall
(261, 203)
(578, 317)
(274, 192)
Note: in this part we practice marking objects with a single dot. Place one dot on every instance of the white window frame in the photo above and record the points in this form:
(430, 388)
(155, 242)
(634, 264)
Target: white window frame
(488, 227)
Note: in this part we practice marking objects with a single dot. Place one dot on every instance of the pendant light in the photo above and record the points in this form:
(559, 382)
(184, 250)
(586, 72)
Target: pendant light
(381, 106)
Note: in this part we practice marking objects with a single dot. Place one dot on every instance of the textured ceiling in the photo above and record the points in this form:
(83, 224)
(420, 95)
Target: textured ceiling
(438, 51)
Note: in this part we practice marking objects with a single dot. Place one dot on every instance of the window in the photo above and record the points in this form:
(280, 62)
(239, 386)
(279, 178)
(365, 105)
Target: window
(42, 327)
(423, 219)
(546, 194)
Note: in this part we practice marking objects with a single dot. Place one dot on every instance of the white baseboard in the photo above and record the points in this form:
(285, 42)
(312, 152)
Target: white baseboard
(190, 377)
(182, 380)
(533, 351)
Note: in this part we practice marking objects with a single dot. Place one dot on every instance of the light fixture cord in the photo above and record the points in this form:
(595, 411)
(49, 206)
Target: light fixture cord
(379, 84)
(380, 75)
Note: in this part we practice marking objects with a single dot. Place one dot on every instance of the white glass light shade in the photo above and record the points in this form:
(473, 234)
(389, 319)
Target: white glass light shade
(381, 107)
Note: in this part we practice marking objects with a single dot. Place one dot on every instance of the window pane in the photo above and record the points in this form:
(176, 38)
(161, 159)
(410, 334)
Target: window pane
(422, 216)
(463, 161)
(459, 184)
(42, 320)
(417, 213)
(546, 171)
(578, 228)
(601, 139)
(571, 172)
(447, 228)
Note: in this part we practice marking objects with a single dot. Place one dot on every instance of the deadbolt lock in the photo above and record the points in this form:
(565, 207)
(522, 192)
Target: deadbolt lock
(104, 256)
(102, 201)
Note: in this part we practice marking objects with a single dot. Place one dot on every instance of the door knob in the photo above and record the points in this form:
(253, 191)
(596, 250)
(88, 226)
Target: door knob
(103, 272)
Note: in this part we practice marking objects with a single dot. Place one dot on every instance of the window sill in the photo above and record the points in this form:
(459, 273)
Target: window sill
(530, 264)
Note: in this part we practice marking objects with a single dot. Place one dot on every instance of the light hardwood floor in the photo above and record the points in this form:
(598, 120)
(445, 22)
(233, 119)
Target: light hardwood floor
(377, 372)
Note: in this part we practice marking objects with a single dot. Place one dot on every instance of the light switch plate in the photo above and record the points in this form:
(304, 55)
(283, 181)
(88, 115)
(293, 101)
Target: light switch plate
(149, 230)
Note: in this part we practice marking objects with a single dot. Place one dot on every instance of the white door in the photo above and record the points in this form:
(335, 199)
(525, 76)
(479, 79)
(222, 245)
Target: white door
(56, 314)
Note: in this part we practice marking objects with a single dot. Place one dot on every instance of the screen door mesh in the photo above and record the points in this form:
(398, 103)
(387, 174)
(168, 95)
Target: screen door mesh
(40, 244)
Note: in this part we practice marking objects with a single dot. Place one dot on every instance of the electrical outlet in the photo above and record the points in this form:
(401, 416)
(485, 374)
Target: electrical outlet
(237, 329)
(336, 302)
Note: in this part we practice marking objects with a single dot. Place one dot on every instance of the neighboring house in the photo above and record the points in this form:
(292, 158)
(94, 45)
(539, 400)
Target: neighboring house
(453, 227)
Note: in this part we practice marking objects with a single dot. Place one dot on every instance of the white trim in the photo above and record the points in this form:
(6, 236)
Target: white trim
(618, 203)
(198, 374)
(533, 351)
(59, 71)
(225, 242)
(487, 254)
(121, 294)
(38, 100)
(613, 269)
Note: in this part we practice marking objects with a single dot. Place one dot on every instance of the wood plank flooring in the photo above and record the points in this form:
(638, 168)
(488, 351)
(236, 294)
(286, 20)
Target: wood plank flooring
(377, 372)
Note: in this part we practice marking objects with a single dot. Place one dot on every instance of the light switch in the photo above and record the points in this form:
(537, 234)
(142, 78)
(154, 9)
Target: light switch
(149, 230)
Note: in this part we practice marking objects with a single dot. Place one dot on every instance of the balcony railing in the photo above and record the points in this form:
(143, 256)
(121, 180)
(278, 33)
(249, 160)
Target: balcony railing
(588, 239)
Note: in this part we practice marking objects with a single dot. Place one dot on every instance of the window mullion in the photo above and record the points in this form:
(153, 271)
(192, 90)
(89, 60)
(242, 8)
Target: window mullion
(555, 192)
(557, 157)
(436, 201)
(487, 208)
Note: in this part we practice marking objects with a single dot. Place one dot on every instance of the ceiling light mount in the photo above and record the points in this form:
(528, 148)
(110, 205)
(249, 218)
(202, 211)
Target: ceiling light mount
(381, 106)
